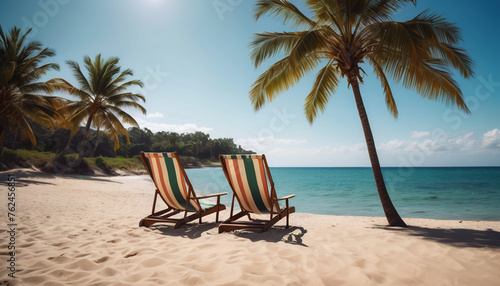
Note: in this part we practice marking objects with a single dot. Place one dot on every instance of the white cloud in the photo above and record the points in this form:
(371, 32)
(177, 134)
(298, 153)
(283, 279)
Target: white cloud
(395, 144)
(465, 142)
(491, 139)
(262, 144)
(179, 128)
(420, 134)
(420, 141)
(155, 115)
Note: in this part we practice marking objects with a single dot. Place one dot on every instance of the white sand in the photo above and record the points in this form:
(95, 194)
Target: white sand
(84, 231)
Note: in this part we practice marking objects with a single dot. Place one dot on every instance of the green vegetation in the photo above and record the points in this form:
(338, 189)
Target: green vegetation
(198, 144)
(21, 88)
(195, 150)
(348, 38)
(51, 163)
(117, 163)
(26, 158)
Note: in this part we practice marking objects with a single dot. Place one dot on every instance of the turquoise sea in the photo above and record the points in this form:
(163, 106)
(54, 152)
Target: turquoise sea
(460, 193)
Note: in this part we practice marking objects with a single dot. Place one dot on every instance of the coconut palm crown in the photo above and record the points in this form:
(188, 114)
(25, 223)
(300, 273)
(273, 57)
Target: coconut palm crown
(345, 36)
(102, 95)
(21, 91)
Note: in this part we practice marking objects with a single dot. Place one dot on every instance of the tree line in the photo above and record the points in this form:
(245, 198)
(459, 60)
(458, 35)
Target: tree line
(196, 144)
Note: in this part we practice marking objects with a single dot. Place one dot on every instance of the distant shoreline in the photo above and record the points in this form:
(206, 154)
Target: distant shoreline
(51, 163)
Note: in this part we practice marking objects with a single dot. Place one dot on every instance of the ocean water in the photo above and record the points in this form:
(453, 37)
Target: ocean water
(459, 193)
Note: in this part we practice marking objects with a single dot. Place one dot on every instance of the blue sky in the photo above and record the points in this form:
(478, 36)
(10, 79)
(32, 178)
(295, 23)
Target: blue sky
(193, 56)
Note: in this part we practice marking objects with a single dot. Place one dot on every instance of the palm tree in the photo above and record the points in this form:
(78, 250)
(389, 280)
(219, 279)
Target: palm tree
(20, 71)
(68, 128)
(344, 34)
(102, 95)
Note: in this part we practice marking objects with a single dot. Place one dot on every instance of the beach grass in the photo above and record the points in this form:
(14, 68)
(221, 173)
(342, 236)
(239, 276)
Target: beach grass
(25, 157)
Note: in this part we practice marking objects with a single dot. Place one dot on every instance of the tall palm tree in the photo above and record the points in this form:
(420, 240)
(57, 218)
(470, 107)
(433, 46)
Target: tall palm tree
(102, 95)
(21, 100)
(343, 35)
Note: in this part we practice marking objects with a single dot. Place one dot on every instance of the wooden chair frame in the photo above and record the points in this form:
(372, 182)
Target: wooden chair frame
(166, 214)
(231, 224)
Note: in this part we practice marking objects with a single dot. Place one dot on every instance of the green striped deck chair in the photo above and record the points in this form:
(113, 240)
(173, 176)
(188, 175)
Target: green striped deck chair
(253, 187)
(175, 189)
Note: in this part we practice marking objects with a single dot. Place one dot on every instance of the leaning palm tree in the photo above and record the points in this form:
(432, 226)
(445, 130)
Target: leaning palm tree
(21, 91)
(102, 95)
(344, 35)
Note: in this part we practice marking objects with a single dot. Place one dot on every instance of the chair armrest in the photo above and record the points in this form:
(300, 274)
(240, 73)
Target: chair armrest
(210, 196)
(286, 197)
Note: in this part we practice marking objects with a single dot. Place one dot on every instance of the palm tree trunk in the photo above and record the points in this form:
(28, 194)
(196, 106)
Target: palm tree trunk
(98, 136)
(84, 140)
(68, 144)
(1, 138)
(390, 211)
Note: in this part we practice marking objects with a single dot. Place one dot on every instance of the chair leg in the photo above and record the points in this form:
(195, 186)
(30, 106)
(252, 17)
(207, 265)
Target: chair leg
(287, 214)
(217, 214)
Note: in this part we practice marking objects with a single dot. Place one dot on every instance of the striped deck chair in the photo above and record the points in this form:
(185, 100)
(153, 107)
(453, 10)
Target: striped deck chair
(175, 189)
(246, 174)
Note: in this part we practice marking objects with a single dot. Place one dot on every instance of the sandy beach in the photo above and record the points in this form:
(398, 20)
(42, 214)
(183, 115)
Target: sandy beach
(75, 230)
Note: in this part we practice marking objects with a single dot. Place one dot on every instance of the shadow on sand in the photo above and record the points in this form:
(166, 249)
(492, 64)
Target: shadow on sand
(457, 237)
(192, 230)
(26, 177)
(291, 235)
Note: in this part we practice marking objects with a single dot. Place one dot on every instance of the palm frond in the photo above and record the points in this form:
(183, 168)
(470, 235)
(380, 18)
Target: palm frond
(457, 57)
(434, 28)
(310, 43)
(82, 80)
(128, 103)
(432, 79)
(382, 10)
(397, 41)
(115, 127)
(60, 84)
(23, 127)
(117, 97)
(389, 98)
(80, 114)
(324, 87)
(126, 118)
(269, 44)
(107, 124)
(284, 10)
(324, 15)
(36, 72)
(118, 87)
(117, 82)
(278, 78)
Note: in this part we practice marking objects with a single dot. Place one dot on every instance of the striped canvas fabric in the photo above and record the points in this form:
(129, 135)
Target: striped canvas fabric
(167, 175)
(248, 179)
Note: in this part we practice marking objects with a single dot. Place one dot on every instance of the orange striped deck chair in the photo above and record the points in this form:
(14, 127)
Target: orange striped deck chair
(175, 189)
(253, 188)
